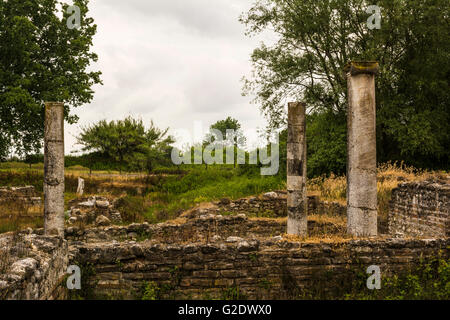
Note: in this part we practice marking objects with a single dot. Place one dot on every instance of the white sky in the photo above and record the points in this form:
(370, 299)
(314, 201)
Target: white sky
(173, 61)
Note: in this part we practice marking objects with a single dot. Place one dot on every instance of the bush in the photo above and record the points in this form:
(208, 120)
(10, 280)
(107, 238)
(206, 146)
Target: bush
(430, 280)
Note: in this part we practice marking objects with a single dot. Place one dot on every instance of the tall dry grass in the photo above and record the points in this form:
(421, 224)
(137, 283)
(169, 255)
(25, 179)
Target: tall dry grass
(389, 175)
(16, 216)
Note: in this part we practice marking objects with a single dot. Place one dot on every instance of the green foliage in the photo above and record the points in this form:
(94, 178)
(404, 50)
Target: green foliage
(233, 293)
(41, 59)
(150, 291)
(13, 178)
(253, 257)
(143, 235)
(171, 195)
(326, 134)
(177, 194)
(326, 152)
(169, 170)
(315, 41)
(127, 143)
(228, 124)
(430, 280)
(34, 159)
(265, 284)
(131, 208)
(195, 180)
(94, 161)
(88, 284)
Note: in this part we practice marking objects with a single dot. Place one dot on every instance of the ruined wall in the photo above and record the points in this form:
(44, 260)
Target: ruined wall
(99, 210)
(32, 267)
(275, 203)
(205, 228)
(202, 228)
(20, 195)
(420, 209)
(267, 269)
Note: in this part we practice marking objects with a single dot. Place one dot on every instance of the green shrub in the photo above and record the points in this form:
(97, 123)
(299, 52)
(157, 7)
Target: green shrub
(150, 291)
(430, 280)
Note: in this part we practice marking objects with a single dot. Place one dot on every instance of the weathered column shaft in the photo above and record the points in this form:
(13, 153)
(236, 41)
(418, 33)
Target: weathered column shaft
(296, 170)
(54, 169)
(361, 149)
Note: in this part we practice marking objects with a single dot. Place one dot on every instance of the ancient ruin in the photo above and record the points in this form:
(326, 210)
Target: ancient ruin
(54, 169)
(361, 149)
(207, 253)
(296, 170)
(229, 245)
(420, 209)
(24, 195)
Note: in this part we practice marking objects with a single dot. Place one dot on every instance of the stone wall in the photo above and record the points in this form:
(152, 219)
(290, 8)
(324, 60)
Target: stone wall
(274, 204)
(205, 228)
(32, 267)
(98, 210)
(269, 269)
(20, 195)
(420, 209)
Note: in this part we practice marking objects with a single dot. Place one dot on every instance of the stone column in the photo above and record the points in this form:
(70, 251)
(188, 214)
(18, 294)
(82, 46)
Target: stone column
(80, 188)
(54, 169)
(297, 201)
(361, 149)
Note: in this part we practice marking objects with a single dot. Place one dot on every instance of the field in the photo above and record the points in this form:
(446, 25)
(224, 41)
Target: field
(165, 194)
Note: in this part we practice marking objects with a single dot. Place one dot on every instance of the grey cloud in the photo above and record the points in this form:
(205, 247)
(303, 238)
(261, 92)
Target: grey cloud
(171, 61)
(208, 17)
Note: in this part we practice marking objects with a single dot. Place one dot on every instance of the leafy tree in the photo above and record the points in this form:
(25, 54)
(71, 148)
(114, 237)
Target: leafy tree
(237, 139)
(35, 158)
(128, 143)
(326, 138)
(41, 59)
(229, 123)
(315, 41)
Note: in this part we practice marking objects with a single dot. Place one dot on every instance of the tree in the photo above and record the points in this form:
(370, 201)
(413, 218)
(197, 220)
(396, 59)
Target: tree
(229, 123)
(35, 158)
(128, 143)
(315, 41)
(41, 59)
(237, 139)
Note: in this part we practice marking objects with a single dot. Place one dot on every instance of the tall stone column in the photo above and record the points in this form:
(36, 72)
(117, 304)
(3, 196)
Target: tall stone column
(361, 149)
(297, 201)
(54, 169)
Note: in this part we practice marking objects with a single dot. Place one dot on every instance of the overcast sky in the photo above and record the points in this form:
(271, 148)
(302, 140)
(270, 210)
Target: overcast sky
(173, 61)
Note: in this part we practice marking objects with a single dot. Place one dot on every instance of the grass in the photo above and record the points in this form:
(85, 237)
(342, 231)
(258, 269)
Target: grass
(162, 197)
(389, 175)
(94, 184)
(15, 216)
(176, 194)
